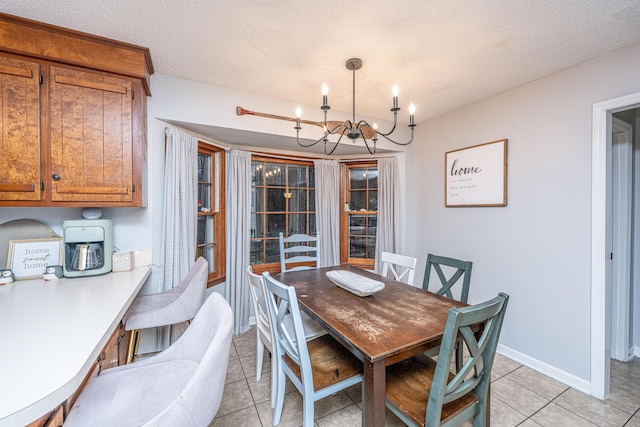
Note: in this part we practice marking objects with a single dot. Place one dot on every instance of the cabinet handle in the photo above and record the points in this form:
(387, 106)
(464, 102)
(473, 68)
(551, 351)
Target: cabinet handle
(55, 177)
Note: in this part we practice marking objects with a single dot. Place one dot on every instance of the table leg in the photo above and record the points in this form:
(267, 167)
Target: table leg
(373, 394)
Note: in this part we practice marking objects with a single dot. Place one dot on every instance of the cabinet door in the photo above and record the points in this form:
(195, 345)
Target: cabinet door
(19, 129)
(91, 137)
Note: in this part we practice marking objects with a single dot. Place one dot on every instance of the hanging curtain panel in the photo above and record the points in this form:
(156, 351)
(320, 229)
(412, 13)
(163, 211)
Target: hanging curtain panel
(388, 232)
(327, 173)
(179, 215)
(238, 237)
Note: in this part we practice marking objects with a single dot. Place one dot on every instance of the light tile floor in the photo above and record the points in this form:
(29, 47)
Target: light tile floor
(520, 396)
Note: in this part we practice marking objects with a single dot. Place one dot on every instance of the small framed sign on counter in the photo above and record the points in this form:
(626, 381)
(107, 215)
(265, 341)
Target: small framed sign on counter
(28, 258)
(477, 176)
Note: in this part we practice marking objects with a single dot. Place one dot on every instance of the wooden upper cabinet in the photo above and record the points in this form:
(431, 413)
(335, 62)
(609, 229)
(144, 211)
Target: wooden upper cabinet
(91, 137)
(72, 117)
(20, 129)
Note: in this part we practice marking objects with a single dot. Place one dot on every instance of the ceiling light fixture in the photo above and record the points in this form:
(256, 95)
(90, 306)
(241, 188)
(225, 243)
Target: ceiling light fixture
(355, 130)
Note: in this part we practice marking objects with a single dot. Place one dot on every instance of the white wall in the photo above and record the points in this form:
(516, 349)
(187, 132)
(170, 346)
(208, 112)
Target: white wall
(635, 251)
(537, 249)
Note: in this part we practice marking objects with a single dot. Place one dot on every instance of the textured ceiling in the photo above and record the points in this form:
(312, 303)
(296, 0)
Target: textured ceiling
(442, 54)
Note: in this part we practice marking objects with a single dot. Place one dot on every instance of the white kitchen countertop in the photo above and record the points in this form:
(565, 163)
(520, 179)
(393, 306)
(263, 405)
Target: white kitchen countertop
(51, 334)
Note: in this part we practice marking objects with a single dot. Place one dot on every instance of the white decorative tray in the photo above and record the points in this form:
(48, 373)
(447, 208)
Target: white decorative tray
(355, 283)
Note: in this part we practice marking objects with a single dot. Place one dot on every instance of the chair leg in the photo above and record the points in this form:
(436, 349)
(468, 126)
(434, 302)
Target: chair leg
(132, 350)
(274, 380)
(277, 410)
(307, 411)
(259, 357)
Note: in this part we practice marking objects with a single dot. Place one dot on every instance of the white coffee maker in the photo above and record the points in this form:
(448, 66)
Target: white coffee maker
(88, 247)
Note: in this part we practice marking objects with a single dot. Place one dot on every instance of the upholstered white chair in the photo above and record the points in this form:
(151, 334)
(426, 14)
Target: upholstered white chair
(317, 368)
(171, 307)
(264, 335)
(401, 267)
(298, 248)
(182, 386)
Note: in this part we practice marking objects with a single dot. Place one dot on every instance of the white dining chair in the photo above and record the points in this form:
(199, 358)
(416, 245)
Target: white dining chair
(298, 248)
(401, 267)
(264, 336)
(317, 368)
(182, 386)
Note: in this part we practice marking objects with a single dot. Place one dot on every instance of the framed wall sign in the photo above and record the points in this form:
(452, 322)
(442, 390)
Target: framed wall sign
(28, 258)
(477, 176)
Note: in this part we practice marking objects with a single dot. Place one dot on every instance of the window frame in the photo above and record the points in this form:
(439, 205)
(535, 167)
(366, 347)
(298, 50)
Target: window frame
(274, 267)
(218, 201)
(365, 263)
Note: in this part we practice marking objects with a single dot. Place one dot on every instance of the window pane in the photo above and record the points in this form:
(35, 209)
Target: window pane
(275, 174)
(372, 175)
(312, 177)
(357, 178)
(273, 251)
(312, 200)
(312, 224)
(257, 175)
(373, 200)
(297, 224)
(204, 168)
(297, 176)
(257, 199)
(257, 252)
(257, 226)
(373, 221)
(275, 225)
(357, 200)
(357, 247)
(371, 247)
(204, 196)
(207, 253)
(298, 201)
(205, 229)
(276, 200)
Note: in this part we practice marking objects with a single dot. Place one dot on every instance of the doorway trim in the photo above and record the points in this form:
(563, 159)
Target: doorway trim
(600, 295)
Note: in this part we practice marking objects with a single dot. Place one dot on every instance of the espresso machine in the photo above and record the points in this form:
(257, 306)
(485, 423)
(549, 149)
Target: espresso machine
(88, 247)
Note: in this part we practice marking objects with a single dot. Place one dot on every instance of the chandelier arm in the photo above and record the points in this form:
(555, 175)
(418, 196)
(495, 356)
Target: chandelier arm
(335, 146)
(366, 144)
(398, 143)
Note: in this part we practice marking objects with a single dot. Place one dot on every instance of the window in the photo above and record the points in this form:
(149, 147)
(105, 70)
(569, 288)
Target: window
(210, 239)
(360, 215)
(282, 200)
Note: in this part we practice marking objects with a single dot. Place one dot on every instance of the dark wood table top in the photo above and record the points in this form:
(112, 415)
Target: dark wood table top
(390, 325)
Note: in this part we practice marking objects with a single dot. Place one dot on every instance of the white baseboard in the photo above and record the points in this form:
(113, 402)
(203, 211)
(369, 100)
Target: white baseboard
(546, 369)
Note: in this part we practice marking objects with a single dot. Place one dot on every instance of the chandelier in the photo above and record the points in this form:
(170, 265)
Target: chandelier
(352, 129)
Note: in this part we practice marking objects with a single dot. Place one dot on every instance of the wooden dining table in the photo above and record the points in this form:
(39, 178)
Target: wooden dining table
(391, 325)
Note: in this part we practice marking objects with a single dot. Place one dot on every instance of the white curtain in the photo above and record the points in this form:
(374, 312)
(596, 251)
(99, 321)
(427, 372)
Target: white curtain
(327, 174)
(238, 237)
(179, 218)
(388, 232)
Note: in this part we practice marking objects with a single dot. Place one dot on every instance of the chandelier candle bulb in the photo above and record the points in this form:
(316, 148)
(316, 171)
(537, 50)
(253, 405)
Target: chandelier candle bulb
(394, 91)
(298, 114)
(412, 112)
(325, 92)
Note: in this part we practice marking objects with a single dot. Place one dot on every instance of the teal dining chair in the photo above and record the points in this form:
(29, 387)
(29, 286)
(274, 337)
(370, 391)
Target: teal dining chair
(456, 269)
(423, 392)
(317, 368)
